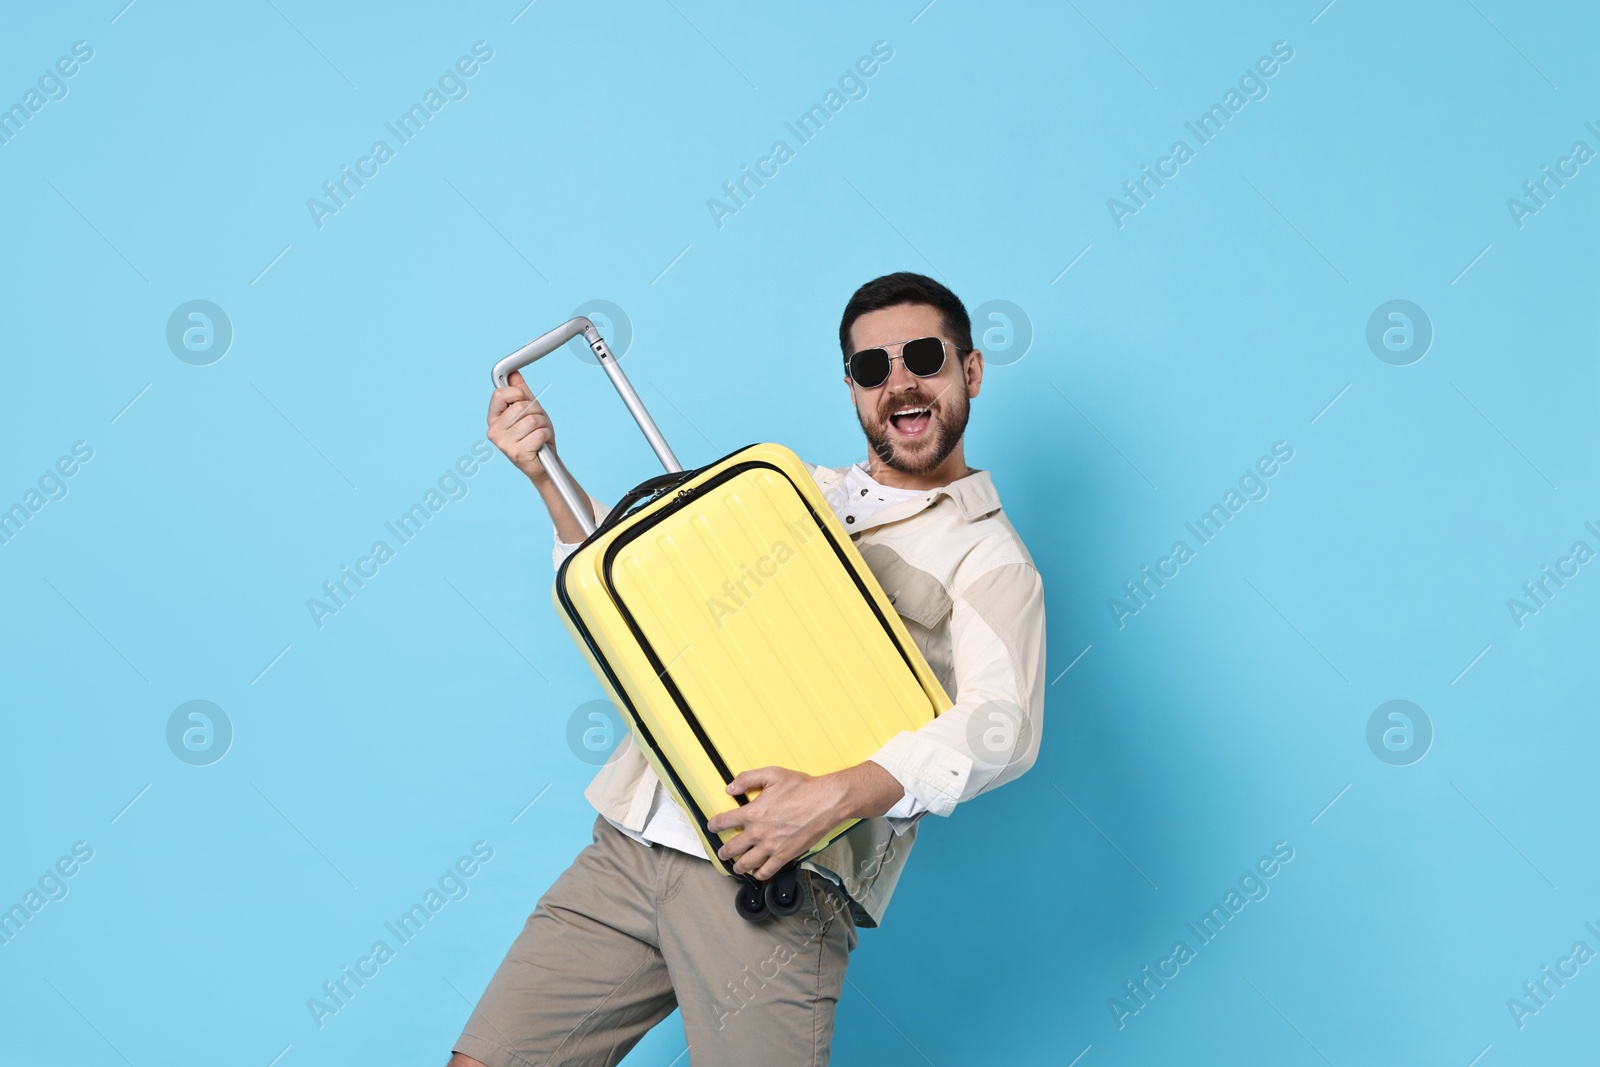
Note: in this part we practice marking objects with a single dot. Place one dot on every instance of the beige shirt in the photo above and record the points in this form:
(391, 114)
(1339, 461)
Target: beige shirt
(968, 593)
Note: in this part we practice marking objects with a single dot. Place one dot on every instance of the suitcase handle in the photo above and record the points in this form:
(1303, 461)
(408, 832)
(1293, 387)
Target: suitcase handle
(649, 488)
(543, 345)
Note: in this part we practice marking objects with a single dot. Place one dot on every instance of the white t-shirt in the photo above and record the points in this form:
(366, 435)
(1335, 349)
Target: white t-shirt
(862, 497)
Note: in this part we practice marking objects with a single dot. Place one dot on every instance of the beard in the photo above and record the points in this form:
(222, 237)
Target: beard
(921, 455)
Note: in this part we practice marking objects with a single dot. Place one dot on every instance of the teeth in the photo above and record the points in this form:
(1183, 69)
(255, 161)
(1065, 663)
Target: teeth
(909, 411)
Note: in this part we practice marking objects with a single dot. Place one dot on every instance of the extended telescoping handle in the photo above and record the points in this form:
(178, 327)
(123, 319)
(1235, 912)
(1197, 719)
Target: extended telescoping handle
(543, 346)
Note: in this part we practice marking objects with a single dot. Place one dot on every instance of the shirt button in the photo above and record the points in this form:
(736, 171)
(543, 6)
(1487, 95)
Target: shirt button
(849, 518)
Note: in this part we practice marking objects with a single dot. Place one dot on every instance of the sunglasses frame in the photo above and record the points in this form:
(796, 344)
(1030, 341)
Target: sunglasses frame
(900, 355)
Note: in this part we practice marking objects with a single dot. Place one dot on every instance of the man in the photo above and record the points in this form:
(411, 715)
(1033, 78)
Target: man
(642, 922)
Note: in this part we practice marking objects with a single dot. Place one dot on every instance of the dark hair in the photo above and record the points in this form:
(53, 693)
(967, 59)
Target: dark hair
(903, 287)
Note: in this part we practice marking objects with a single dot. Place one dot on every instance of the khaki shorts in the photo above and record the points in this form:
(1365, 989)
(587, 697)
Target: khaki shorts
(629, 932)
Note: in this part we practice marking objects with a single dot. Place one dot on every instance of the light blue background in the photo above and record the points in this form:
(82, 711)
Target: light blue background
(1223, 317)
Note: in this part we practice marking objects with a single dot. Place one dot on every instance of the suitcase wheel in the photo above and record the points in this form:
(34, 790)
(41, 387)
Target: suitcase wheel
(783, 892)
(750, 901)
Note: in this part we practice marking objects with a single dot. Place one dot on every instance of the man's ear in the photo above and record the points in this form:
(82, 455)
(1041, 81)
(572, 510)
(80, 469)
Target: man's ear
(972, 368)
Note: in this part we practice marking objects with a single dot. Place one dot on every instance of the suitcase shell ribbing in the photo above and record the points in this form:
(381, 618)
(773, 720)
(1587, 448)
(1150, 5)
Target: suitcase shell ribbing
(734, 623)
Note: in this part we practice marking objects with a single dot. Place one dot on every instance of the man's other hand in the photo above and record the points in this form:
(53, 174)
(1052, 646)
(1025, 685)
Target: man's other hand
(793, 810)
(519, 427)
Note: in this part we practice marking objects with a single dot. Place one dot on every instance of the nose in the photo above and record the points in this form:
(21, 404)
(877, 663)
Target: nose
(899, 378)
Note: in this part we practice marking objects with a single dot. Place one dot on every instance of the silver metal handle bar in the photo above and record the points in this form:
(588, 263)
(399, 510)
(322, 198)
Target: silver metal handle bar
(543, 346)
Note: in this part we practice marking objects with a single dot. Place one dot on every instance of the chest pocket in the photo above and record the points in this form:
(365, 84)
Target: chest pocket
(917, 595)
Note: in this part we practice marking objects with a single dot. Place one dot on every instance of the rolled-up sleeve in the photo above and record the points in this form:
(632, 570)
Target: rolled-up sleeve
(991, 735)
(563, 549)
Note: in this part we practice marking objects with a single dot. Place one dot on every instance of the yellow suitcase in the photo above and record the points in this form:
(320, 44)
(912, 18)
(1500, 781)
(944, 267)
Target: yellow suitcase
(733, 623)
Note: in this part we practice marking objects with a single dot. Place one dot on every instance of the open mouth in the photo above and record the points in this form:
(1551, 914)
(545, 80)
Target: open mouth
(910, 421)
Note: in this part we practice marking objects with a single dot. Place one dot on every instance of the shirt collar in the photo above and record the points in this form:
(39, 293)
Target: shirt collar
(973, 495)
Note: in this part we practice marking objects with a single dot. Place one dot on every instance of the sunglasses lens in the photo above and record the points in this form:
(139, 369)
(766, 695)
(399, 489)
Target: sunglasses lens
(870, 367)
(924, 356)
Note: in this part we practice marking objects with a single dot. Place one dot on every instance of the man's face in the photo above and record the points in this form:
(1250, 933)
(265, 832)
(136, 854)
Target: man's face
(912, 423)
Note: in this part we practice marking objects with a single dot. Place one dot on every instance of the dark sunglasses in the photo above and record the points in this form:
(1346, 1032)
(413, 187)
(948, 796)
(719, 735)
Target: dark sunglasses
(922, 356)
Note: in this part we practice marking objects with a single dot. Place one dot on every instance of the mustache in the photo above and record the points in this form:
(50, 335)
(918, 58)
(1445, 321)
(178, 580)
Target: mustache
(906, 400)
(916, 399)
